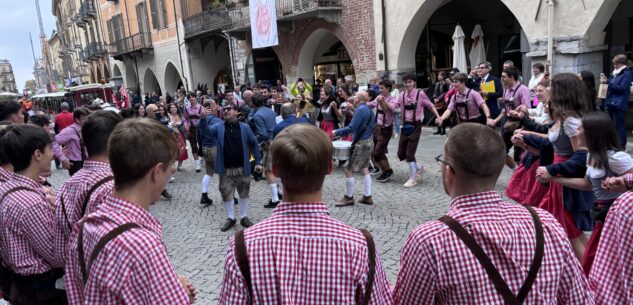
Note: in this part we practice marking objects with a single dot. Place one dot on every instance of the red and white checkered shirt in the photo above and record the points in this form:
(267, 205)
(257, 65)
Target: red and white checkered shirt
(74, 192)
(611, 276)
(26, 221)
(436, 267)
(5, 176)
(301, 255)
(133, 268)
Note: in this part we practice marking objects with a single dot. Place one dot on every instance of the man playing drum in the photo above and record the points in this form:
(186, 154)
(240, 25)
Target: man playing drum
(362, 128)
(466, 103)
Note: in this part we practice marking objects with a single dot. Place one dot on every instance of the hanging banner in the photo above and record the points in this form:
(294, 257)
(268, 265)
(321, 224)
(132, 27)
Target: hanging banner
(263, 15)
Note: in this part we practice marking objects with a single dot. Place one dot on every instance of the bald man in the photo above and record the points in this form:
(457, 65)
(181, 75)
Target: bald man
(362, 129)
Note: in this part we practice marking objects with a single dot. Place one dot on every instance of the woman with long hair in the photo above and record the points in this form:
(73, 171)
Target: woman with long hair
(139, 111)
(347, 107)
(175, 120)
(329, 114)
(589, 80)
(568, 104)
(605, 159)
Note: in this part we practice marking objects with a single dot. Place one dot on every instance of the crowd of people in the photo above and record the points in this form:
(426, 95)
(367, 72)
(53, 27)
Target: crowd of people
(93, 240)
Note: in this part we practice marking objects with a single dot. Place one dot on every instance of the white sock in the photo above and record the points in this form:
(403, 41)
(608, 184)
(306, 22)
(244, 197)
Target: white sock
(198, 162)
(243, 207)
(206, 181)
(228, 205)
(412, 169)
(349, 186)
(280, 186)
(273, 192)
(367, 183)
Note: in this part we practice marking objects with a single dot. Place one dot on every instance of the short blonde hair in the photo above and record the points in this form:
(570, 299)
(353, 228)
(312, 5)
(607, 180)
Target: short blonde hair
(301, 157)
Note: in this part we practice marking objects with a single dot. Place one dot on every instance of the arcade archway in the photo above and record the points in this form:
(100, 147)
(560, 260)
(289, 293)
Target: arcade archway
(150, 82)
(172, 79)
(324, 56)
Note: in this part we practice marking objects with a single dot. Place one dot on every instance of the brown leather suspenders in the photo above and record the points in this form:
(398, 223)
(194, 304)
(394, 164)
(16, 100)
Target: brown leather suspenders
(500, 285)
(84, 206)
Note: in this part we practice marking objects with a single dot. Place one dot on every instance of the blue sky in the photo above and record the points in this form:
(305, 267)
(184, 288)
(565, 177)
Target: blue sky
(17, 19)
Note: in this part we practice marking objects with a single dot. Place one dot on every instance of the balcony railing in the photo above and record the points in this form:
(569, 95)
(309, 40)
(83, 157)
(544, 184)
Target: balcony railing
(239, 19)
(87, 10)
(205, 22)
(134, 43)
(93, 51)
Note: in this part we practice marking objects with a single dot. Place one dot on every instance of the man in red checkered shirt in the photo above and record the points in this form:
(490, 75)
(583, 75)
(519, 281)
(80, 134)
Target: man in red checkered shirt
(438, 264)
(611, 277)
(116, 254)
(26, 219)
(301, 255)
(87, 188)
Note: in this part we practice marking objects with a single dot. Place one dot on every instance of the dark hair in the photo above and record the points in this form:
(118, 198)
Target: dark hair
(19, 142)
(566, 98)
(540, 66)
(177, 109)
(127, 113)
(8, 108)
(81, 111)
(460, 77)
(136, 109)
(228, 90)
(97, 130)
(408, 76)
(3, 128)
(372, 94)
(387, 84)
(39, 120)
(258, 99)
(486, 151)
(454, 70)
(190, 94)
(345, 88)
(512, 72)
(590, 83)
(601, 137)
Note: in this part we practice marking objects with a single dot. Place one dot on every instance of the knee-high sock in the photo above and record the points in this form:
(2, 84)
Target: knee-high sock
(230, 213)
(243, 207)
(273, 192)
(198, 162)
(412, 169)
(206, 181)
(367, 183)
(349, 186)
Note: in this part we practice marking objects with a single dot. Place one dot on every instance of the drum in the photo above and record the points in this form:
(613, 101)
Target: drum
(341, 150)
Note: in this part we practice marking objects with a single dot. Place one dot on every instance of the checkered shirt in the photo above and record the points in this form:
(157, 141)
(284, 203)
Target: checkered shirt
(5, 176)
(436, 267)
(301, 255)
(133, 268)
(26, 219)
(611, 277)
(74, 192)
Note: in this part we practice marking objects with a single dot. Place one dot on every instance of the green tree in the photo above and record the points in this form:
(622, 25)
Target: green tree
(30, 85)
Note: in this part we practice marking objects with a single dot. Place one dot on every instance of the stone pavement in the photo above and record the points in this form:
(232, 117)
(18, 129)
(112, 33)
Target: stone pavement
(197, 248)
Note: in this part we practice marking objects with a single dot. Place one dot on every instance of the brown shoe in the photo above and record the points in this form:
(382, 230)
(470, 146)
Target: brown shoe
(366, 200)
(345, 202)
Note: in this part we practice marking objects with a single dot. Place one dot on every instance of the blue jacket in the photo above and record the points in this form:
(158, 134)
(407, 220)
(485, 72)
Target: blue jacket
(249, 143)
(264, 123)
(291, 119)
(205, 138)
(619, 89)
(358, 123)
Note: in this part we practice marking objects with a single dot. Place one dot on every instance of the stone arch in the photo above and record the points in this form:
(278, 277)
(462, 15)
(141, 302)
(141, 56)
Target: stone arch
(208, 57)
(172, 78)
(150, 82)
(116, 71)
(595, 34)
(306, 56)
(423, 11)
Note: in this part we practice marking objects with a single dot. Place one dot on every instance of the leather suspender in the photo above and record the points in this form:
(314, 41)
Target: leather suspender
(86, 200)
(500, 285)
(241, 258)
(15, 189)
(85, 268)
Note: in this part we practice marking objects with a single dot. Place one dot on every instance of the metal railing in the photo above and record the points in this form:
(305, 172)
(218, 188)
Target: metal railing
(208, 21)
(87, 10)
(136, 42)
(94, 50)
(239, 17)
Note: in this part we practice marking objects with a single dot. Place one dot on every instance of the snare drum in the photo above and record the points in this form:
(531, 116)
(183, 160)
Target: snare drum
(341, 150)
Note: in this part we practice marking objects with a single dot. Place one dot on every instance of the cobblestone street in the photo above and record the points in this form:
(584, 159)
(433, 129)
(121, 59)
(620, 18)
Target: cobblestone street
(197, 248)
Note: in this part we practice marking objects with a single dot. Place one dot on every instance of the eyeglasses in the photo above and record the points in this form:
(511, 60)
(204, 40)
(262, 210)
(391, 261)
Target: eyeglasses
(227, 109)
(443, 163)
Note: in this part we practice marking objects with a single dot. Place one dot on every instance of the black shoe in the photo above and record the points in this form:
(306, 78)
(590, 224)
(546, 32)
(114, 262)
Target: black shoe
(245, 222)
(376, 171)
(205, 200)
(235, 201)
(280, 196)
(385, 176)
(439, 131)
(443, 132)
(271, 204)
(229, 223)
(166, 194)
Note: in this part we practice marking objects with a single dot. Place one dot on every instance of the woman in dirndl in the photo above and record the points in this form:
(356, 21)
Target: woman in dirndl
(329, 114)
(175, 119)
(568, 104)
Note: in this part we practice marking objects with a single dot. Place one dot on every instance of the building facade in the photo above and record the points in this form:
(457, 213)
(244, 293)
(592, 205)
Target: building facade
(7, 79)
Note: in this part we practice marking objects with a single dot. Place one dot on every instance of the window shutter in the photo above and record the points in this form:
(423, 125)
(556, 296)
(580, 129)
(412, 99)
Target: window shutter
(155, 16)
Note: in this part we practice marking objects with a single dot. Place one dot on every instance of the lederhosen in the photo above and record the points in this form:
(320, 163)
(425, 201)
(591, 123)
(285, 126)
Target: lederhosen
(382, 136)
(193, 131)
(511, 124)
(32, 289)
(410, 135)
(492, 272)
(78, 164)
(461, 107)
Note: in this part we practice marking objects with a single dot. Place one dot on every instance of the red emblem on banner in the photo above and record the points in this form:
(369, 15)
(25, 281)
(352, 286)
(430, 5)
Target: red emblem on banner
(263, 20)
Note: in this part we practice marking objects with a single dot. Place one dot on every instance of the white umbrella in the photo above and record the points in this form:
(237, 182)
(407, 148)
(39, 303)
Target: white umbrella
(459, 52)
(477, 52)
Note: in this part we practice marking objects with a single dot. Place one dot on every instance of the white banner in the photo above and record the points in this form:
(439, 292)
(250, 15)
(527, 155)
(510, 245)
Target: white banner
(263, 14)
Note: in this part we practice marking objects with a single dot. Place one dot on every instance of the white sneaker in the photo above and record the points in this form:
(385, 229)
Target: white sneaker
(411, 183)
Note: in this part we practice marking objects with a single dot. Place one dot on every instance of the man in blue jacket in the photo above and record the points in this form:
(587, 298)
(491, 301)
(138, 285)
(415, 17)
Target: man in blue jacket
(207, 143)
(288, 114)
(235, 141)
(481, 76)
(262, 123)
(617, 101)
(362, 129)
